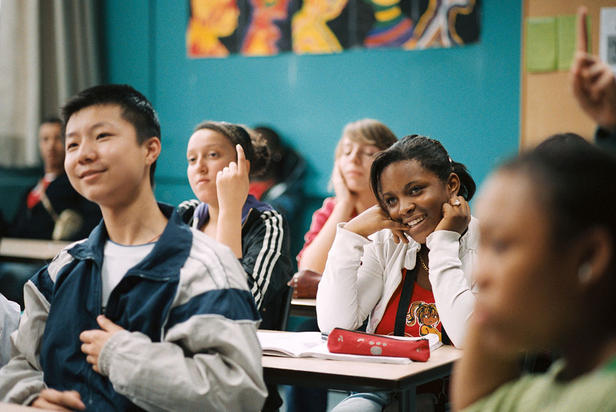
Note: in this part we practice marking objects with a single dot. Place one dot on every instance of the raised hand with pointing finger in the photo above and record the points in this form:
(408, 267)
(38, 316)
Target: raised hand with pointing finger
(592, 81)
(232, 183)
(222, 157)
(232, 189)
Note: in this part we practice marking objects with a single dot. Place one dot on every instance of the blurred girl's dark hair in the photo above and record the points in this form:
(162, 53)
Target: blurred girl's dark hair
(574, 181)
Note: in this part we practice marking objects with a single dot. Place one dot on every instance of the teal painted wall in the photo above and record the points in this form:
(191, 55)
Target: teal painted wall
(466, 97)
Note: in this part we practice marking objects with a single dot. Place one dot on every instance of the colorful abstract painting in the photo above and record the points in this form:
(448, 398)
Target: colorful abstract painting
(263, 34)
(217, 28)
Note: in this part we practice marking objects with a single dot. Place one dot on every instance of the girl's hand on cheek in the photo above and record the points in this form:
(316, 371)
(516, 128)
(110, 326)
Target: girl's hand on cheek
(374, 219)
(399, 234)
(232, 183)
(342, 191)
(456, 215)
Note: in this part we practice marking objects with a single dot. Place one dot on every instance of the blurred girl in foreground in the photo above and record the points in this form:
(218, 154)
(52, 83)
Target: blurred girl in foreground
(546, 279)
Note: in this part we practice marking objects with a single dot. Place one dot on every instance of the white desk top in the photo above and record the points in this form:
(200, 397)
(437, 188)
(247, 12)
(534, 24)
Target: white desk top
(32, 249)
(442, 356)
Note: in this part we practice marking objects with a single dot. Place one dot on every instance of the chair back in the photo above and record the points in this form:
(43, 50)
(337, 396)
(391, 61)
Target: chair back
(286, 308)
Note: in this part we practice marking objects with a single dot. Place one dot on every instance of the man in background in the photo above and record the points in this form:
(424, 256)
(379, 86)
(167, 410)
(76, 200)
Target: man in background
(42, 205)
(49, 209)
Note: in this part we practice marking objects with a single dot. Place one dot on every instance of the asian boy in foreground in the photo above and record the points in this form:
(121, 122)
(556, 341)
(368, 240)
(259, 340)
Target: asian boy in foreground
(145, 313)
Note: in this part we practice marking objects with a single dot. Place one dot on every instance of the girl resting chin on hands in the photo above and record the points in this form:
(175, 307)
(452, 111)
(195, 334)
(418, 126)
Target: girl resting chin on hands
(421, 231)
(415, 251)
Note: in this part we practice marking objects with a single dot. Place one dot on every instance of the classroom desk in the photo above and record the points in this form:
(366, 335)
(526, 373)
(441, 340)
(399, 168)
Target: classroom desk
(361, 376)
(304, 307)
(29, 250)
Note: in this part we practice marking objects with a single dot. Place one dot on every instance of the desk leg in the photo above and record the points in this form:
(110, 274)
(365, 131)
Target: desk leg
(407, 400)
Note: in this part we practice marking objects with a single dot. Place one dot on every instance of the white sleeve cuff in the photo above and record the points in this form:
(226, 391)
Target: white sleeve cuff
(442, 236)
(104, 357)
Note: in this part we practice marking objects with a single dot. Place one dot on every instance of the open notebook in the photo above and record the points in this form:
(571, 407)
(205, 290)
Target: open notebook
(313, 345)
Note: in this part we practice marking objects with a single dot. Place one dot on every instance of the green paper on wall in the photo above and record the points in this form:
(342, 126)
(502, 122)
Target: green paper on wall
(540, 44)
(566, 29)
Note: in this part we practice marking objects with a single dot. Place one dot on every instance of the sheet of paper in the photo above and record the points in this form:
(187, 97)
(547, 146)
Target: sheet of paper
(540, 44)
(566, 38)
(311, 344)
(607, 36)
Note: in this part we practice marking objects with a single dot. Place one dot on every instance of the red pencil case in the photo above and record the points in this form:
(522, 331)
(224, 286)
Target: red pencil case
(361, 343)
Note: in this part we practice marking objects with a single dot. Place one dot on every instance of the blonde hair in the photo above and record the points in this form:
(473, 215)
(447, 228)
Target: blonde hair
(367, 131)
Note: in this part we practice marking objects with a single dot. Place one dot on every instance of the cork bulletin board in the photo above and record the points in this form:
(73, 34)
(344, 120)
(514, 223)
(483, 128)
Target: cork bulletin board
(548, 106)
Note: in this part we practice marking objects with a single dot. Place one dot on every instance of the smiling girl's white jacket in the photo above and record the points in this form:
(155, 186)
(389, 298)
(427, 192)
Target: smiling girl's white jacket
(361, 275)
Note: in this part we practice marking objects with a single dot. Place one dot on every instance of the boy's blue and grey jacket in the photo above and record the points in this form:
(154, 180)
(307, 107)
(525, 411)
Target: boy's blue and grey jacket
(190, 341)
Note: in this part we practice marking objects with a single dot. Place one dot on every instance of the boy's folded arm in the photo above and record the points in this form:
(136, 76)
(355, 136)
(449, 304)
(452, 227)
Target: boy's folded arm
(21, 380)
(208, 362)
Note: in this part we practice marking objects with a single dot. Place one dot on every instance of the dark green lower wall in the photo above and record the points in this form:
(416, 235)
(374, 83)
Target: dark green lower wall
(13, 183)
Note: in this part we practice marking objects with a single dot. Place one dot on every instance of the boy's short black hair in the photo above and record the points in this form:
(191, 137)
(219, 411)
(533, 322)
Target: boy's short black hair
(136, 109)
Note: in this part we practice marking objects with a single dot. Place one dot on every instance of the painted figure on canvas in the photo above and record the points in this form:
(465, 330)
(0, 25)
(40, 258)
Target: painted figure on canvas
(262, 36)
(309, 26)
(436, 27)
(210, 20)
(391, 27)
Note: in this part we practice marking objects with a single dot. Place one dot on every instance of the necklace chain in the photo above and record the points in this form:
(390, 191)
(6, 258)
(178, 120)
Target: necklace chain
(423, 264)
(154, 238)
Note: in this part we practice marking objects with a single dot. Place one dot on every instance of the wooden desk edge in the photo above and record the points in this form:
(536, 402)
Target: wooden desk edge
(13, 407)
(304, 302)
(304, 307)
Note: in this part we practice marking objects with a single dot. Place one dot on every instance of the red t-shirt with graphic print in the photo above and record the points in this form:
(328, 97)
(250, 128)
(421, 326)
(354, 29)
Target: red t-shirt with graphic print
(421, 317)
